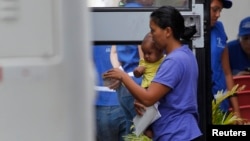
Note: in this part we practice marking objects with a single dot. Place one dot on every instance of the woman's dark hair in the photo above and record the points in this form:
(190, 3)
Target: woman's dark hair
(168, 16)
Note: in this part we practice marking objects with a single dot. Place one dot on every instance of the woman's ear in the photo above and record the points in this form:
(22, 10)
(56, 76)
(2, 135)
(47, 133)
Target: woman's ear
(168, 31)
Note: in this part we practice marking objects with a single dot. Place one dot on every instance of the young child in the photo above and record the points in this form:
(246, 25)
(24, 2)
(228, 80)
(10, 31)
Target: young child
(148, 66)
(152, 58)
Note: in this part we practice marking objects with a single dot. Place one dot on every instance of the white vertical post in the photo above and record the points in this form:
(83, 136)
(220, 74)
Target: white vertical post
(46, 80)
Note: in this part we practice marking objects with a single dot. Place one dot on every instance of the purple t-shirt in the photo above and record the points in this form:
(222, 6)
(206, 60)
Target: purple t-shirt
(178, 108)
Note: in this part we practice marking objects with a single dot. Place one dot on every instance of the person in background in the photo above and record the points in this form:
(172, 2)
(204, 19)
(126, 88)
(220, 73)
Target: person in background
(126, 57)
(239, 50)
(137, 3)
(222, 78)
(110, 118)
(172, 87)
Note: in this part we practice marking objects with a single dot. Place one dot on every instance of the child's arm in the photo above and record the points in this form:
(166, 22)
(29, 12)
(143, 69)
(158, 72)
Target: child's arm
(139, 71)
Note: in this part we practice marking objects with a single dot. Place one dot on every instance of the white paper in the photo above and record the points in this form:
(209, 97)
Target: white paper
(142, 122)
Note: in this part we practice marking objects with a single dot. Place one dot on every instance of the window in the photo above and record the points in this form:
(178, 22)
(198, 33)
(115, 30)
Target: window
(180, 4)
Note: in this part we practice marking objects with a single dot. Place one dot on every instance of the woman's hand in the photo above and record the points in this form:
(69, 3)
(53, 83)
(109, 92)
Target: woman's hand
(139, 108)
(116, 83)
(149, 133)
(114, 77)
(114, 73)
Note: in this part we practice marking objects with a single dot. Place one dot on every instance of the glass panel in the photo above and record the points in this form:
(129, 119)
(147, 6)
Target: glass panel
(144, 3)
(175, 3)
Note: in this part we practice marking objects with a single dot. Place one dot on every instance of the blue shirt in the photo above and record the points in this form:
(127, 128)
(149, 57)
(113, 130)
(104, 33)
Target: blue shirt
(178, 108)
(133, 4)
(218, 43)
(238, 59)
(128, 56)
(101, 58)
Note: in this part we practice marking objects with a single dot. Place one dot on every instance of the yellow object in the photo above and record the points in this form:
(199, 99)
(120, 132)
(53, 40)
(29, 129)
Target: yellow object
(150, 71)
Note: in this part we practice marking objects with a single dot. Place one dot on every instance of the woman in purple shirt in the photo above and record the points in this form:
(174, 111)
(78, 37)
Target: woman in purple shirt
(175, 83)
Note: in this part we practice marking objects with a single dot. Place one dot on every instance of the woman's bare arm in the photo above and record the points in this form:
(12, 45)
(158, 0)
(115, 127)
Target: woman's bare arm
(148, 96)
(114, 57)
